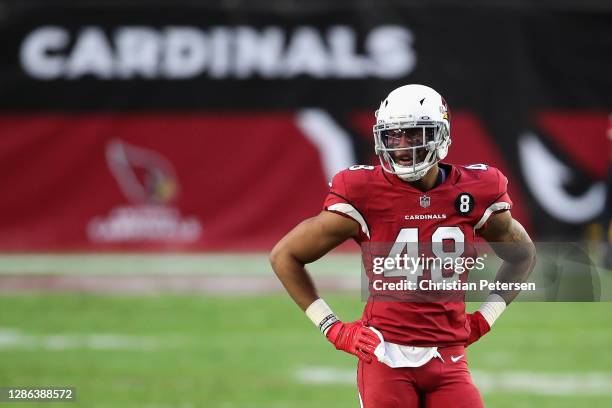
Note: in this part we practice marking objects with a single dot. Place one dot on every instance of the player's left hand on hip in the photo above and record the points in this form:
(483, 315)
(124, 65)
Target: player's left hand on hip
(354, 338)
(478, 327)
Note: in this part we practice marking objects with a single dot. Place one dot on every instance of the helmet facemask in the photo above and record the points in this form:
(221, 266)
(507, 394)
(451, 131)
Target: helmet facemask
(410, 149)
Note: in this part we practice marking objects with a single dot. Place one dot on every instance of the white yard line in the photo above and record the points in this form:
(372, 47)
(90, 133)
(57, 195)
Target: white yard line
(525, 382)
(14, 339)
(242, 264)
(227, 285)
(590, 383)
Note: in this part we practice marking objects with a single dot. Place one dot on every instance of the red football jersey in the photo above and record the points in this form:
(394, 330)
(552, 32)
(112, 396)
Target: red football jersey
(389, 210)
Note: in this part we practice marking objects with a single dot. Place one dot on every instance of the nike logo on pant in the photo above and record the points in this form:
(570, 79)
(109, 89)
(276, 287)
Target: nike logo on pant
(457, 358)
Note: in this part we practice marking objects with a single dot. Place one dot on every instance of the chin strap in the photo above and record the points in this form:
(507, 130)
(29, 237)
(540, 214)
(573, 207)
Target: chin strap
(410, 177)
(414, 177)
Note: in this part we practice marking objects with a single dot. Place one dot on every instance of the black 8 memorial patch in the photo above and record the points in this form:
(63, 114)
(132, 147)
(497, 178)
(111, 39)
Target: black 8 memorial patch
(464, 203)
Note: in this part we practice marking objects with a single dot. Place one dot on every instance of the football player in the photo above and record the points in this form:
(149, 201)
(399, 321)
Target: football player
(411, 354)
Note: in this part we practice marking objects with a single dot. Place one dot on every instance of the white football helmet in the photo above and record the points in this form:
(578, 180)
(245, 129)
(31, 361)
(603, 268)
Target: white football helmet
(408, 107)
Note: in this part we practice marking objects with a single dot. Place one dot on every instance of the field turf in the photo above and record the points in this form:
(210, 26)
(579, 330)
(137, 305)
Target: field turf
(247, 351)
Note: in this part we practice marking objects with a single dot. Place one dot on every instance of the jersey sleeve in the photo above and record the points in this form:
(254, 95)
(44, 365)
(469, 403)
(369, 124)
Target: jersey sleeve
(497, 200)
(339, 200)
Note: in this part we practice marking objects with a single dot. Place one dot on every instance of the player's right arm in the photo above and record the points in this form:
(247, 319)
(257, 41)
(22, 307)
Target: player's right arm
(306, 243)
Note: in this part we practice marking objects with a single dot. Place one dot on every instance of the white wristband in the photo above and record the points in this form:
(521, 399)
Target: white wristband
(492, 308)
(321, 315)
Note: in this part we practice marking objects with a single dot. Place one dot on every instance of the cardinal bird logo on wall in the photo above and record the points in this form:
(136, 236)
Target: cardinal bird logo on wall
(144, 176)
(148, 180)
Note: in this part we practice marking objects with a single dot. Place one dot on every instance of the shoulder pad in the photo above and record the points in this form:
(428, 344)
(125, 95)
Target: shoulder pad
(351, 183)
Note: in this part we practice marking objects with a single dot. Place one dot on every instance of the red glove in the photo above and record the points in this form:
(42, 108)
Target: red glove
(478, 326)
(354, 338)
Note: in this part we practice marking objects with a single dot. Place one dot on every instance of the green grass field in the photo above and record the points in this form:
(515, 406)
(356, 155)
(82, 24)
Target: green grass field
(218, 349)
(225, 352)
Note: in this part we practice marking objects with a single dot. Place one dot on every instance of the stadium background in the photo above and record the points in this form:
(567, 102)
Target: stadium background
(152, 152)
